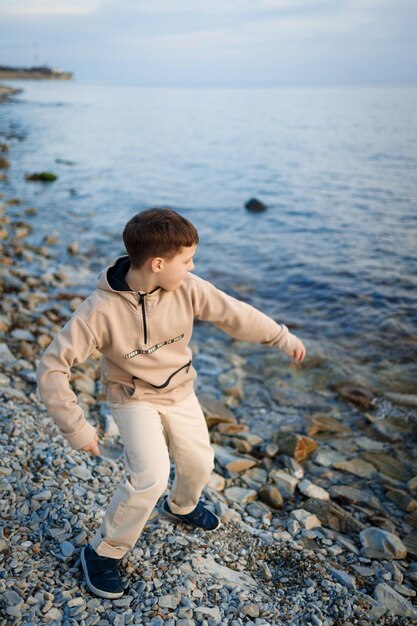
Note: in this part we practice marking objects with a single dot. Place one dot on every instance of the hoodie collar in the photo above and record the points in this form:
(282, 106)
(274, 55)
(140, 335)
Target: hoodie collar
(114, 277)
(116, 274)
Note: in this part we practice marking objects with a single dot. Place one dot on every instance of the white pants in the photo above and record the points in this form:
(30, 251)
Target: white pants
(152, 433)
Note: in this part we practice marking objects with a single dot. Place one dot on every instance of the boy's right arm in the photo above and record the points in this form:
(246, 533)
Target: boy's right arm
(72, 345)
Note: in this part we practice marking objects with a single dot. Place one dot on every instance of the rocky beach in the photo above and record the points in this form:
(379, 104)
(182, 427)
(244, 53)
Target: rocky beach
(318, 505)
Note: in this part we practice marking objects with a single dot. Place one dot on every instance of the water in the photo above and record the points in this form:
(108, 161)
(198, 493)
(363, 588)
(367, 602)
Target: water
(335, 254)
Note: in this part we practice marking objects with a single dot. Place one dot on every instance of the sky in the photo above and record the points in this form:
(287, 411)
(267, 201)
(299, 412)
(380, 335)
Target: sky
(215, 43)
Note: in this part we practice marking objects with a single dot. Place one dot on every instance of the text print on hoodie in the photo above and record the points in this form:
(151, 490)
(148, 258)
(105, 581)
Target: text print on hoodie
(144, 339)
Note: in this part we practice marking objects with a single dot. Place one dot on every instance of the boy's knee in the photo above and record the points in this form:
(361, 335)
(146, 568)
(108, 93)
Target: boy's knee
(156, 482)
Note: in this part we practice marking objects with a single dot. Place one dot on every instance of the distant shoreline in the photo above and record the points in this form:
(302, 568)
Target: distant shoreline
(33, 73)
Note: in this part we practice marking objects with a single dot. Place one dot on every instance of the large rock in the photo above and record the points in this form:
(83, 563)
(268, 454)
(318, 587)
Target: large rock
(299, 447)
(207, 566)
(380, 544)
(394, 602)
(333, 516)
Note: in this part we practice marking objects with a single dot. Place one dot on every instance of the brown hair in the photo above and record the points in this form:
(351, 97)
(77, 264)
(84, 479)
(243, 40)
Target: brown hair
(157, 232)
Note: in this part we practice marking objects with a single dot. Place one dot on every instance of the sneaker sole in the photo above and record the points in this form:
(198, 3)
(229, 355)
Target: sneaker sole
(176, 520)
(95, 590)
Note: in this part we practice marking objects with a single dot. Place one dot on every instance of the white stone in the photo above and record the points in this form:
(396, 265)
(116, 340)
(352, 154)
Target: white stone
(311, 490)
(81, 471)
(305, 518)
(207, 566)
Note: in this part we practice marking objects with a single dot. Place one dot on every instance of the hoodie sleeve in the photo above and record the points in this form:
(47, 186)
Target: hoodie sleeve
(72, 345)
(240, 320)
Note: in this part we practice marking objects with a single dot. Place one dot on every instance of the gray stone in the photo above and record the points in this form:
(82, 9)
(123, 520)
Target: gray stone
(311, 490)
(67, 548)
(168, 601)
(54, 614)
(393, 601)
(231, 461)
(333, 516)
(358, 467)
(380, 544)
(271, 495)
(81, 471)
(305, 518)
(327, 458)
(240, 495)
(211, 612)
(342, 577)
(22, 334)
(12, 598)
(6, 357)
(285, 482)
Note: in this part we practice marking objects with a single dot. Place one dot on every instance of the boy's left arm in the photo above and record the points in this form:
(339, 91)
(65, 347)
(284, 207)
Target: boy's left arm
(243, 321)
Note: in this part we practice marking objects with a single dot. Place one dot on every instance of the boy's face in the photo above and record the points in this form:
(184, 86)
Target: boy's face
(172, 272)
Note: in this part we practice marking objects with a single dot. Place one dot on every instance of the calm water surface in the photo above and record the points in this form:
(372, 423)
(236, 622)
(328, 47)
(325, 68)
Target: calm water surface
(335, 254)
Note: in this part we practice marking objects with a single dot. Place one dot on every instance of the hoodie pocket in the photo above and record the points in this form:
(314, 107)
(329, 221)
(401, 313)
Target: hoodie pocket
(145, 388)
(168, 380)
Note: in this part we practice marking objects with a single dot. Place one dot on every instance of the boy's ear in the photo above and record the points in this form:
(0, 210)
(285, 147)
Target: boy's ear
(157, 264)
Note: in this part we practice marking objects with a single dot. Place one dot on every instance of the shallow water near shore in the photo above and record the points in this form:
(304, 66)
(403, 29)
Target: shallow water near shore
(334, 255)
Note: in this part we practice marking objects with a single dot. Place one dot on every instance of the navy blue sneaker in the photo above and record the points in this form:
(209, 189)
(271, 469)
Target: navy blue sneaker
(199, 518)
(101, 574)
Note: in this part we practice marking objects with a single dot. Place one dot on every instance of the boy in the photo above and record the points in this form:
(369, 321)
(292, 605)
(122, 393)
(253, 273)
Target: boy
(140, 318)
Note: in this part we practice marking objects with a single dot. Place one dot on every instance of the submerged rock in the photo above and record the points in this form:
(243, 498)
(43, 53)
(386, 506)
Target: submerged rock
(45, 177)
(255, 206)
(357, 394)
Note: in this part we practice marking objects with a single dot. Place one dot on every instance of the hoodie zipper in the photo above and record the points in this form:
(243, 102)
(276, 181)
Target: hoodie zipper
(141, 302)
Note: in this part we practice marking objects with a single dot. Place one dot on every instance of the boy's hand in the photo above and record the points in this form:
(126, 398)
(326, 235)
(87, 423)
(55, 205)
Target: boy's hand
(92, 446)
(299, 352)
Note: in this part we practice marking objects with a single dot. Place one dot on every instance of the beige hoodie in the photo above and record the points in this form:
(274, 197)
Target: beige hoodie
(144, 340)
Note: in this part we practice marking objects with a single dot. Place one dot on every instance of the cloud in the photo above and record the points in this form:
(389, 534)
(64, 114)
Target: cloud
(32, 8)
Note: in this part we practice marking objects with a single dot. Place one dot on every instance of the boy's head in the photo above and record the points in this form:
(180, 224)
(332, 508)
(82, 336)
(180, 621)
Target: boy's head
(157, 233)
